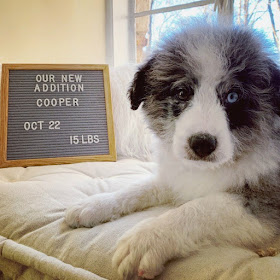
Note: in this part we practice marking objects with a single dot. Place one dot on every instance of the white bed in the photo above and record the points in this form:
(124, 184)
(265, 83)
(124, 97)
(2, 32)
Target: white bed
(36, 243)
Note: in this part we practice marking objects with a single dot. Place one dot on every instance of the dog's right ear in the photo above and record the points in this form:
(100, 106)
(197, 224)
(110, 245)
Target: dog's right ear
(139, 89)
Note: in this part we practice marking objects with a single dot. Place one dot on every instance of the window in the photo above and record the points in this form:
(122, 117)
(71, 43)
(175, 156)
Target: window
(154, 17)
(260, 14)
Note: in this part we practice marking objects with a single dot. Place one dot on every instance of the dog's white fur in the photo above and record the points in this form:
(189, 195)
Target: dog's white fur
(196, 120)
(206, 214)
(202, 221)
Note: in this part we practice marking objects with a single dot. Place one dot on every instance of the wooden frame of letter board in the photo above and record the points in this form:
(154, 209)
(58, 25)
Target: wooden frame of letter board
(60, 160)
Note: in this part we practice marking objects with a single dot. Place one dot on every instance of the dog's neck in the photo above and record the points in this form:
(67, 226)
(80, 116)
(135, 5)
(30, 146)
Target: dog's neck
(191, 182)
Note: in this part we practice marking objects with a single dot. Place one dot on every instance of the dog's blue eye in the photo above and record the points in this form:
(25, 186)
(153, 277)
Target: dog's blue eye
(232, 97)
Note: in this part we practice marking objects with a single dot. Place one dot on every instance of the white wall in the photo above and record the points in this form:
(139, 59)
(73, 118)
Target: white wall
(120, 32)
(52, 31)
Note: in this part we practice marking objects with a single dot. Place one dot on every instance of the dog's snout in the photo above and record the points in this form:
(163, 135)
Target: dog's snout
(203, 144)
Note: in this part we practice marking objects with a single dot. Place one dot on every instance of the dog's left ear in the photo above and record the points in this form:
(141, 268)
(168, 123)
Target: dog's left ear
(275, 83)
(139, 87)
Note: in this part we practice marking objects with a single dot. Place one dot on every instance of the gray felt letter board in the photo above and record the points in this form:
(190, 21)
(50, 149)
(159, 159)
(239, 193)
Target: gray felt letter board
(52, 114)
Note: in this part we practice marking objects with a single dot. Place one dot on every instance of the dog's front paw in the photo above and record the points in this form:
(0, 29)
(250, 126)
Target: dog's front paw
(141, 251)
(92, 211)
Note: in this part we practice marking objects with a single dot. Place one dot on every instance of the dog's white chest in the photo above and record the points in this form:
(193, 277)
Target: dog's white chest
(190, 184)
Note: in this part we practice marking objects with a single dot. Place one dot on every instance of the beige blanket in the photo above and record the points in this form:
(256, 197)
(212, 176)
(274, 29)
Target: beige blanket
(36, 243)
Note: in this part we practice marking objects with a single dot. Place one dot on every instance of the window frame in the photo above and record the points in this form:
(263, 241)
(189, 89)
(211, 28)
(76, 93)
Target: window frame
(113, 16)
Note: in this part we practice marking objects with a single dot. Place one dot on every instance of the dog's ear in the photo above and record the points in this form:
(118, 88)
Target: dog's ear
(275, 83)
(139, 87)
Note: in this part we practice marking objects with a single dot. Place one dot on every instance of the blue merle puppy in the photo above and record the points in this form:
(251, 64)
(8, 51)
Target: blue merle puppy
(212, 96)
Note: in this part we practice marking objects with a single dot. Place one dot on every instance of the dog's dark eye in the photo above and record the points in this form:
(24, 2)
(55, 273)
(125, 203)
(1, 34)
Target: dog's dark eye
(182, 94)
(232, 97)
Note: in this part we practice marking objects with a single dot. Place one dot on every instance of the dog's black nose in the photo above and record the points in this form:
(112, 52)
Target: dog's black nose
(203, 144)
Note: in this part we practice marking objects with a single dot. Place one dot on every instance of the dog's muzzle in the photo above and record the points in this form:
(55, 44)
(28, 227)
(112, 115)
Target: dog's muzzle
(203, 144)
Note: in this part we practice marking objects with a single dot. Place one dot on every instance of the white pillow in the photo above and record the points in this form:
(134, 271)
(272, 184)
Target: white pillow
(133, 137)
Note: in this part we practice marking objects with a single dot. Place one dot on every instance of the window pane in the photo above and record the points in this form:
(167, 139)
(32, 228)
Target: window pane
(142, 36)
(161, 23)
(146, 5)
(260, 14)
(150, 29)
(157, 4)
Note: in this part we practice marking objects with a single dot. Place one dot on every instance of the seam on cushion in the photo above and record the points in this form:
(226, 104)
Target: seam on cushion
(43, 263)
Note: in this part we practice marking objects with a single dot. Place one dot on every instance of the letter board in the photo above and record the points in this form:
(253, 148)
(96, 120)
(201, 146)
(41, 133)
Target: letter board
(54, 114)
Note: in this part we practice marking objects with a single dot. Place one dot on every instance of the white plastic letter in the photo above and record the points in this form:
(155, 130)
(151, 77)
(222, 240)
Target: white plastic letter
(39, 103)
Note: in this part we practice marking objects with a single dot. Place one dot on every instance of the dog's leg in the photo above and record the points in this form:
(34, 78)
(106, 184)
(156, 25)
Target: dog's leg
(216, 219)
(104, 207)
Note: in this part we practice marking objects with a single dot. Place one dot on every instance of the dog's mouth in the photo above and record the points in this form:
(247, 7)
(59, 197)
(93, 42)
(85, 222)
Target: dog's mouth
(203, 150)
(210, 162)
(191, 156)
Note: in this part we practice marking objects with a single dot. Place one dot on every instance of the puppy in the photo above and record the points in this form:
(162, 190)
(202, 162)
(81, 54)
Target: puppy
(212, 96)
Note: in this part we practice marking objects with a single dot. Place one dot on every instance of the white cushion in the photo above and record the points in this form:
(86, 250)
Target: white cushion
(133, 137)
(36, 243)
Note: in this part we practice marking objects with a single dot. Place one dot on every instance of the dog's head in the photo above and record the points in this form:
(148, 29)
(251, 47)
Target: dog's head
(212, 94)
